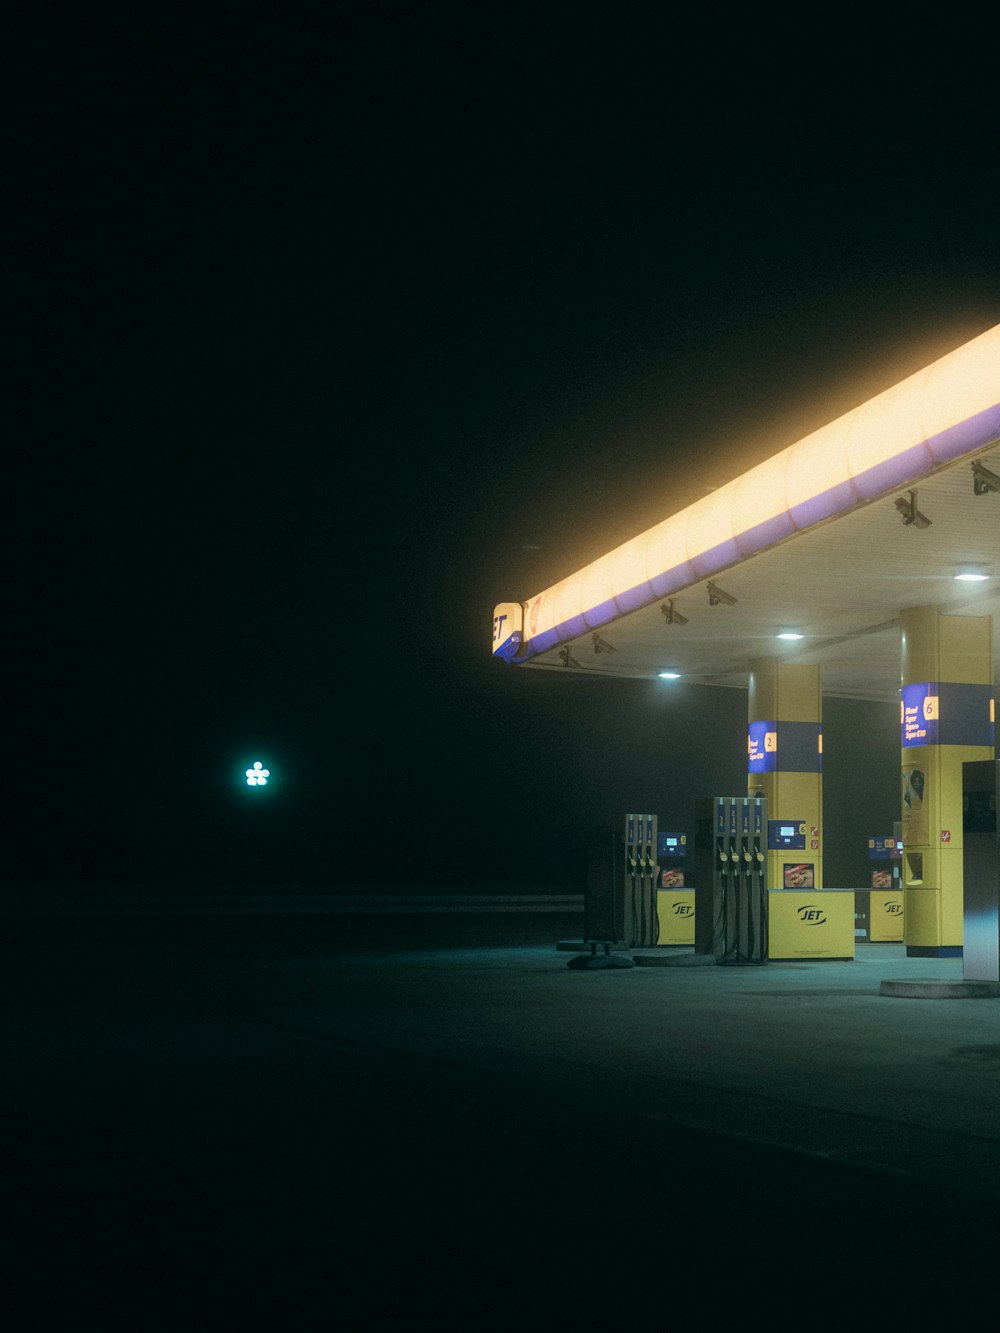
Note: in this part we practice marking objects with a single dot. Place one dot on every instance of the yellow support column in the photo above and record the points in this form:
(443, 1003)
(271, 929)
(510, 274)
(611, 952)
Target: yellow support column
(785, 763)
(946, 714)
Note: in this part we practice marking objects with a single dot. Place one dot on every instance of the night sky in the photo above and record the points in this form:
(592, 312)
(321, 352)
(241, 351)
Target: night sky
(331, 333)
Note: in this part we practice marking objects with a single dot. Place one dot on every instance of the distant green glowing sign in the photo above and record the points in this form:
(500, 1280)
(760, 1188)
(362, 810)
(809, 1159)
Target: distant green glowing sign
(258, 775)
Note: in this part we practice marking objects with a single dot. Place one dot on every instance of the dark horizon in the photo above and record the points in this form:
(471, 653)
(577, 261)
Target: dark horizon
(608, 746)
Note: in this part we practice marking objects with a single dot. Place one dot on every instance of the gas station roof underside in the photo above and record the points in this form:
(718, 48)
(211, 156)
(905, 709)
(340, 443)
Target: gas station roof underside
(841, 583)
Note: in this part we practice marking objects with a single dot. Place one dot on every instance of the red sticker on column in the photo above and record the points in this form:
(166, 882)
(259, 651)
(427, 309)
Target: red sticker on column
(946, 835)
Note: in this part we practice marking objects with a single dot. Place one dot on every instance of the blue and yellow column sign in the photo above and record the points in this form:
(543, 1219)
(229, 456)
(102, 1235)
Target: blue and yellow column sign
(947, 713)
(919, 711)
(792, 747)
(947, 717)
(762, 746)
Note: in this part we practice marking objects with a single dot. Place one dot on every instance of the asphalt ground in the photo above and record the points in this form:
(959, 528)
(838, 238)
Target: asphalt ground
(237, 1122)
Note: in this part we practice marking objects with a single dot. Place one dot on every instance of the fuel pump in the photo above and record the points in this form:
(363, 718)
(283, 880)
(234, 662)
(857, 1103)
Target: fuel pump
(726, 872)
(711, 869)
(640, 848)
(620, 898)
(651, 922)
(732, 904)
(759, 865)
(632, 861)
(746, 927)
(731, 880)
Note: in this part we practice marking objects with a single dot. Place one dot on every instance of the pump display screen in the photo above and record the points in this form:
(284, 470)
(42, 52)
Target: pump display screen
(783, 833)
(671, 844)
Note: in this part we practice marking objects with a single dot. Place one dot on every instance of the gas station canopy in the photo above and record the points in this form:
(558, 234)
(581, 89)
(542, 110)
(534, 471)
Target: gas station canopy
(894, 505)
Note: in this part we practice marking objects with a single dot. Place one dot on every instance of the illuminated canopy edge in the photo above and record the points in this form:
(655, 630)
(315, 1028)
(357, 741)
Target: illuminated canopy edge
(947, 411)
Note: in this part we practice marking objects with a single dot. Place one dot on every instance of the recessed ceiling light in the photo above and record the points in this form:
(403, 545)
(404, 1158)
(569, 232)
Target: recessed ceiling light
(669, 675)
(972, 576)
(790, 634)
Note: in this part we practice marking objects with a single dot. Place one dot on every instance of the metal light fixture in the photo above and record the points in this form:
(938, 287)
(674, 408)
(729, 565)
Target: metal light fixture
(983, 480)
(911, 514)
(716, 595)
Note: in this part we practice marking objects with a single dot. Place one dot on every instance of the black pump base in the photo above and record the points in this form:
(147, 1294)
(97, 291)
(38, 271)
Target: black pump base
(593, 960)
